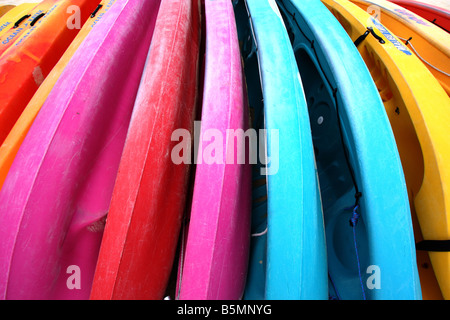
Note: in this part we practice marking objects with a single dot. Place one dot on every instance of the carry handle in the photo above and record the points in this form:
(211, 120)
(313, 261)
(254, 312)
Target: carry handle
(18, 22)
(364, 36)
(96, 10)
(36, 19)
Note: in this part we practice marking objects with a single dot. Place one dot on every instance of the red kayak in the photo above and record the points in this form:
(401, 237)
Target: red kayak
(438, 15)
(148, 202)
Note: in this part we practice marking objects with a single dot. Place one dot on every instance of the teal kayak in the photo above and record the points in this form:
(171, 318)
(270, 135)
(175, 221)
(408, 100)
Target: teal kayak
(369, 235)
(288, 253)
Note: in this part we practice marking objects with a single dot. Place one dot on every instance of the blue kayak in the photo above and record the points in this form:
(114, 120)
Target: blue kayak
(369, 235)
(288, 253)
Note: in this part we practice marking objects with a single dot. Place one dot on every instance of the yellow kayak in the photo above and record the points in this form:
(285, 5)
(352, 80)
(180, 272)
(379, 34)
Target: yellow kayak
(12, 15)
(429, 42)
(419, 111)
(11, 144)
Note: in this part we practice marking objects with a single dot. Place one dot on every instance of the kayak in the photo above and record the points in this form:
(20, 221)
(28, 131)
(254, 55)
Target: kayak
(429, 42)
(433, 13)
(215, 257)
(22, 23)
(361, 179)
(57, 193)
(417, 108)
(11, 144)
(13, 14)
(144, 220)
(25, 65)
(287, 253)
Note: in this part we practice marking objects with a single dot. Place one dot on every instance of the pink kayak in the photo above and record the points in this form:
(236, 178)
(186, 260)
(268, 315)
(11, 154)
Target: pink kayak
(57, 193)
(214, 265)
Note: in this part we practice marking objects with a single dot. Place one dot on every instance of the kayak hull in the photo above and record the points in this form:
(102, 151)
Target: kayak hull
(216, 255)
(288, 253)
(148, 202)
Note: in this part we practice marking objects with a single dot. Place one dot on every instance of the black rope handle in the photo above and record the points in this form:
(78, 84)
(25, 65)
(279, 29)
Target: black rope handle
(35, 20)
(365, 34)
(96, 10)
(18, 22)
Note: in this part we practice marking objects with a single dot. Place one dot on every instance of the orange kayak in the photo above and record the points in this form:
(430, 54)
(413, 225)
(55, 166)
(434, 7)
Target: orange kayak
(13, 141)
(25, 65)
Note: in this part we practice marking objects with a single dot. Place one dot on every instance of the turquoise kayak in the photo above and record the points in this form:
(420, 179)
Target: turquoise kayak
(369, 235)
(288, 254)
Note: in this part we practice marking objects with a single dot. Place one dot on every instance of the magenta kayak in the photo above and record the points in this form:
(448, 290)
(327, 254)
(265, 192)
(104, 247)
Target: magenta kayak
(214, 264)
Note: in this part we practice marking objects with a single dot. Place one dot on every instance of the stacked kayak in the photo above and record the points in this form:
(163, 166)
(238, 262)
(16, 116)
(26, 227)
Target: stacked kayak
(144, 220)
(361, 179)
(429, 42)
(433, 13)
(57, 193)
(26, 63)
(224, 150)
(13, 141)
(417, 108)
(288, 254)
(215, 256)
